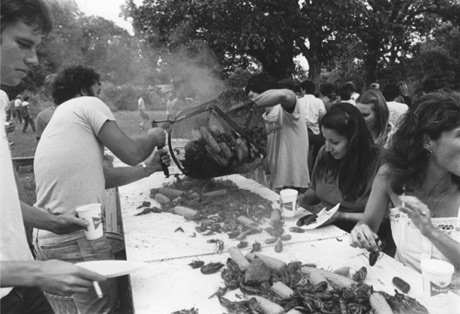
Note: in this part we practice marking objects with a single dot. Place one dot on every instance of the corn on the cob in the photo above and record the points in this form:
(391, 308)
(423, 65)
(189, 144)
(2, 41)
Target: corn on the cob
(271, 262)
(267, 306)
(185, 211)
(316, 278)
(281, 290)
(221, 161)
(379, 304)
(162, 199)
(343, 271)
(336, 281)
(171, 193)
(239, 258)
(245, 221)
(294, 311)
(209, 139)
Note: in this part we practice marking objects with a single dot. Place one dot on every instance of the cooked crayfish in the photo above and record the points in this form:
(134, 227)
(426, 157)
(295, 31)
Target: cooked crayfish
(211, 268)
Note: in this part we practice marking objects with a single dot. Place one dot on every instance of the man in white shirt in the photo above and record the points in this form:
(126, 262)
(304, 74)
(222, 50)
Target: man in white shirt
(397, 109)
(314, 109)
(23, 23)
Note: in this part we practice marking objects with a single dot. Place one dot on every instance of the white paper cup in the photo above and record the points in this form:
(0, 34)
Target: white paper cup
(288, 198)
(437, 276)
(92, 213)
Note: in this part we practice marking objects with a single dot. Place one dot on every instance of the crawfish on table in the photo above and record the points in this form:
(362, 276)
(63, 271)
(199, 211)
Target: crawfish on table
(211, 268)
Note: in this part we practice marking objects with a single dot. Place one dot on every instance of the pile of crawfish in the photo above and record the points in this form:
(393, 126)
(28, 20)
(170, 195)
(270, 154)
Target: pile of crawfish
(322, 297)
(218, 204)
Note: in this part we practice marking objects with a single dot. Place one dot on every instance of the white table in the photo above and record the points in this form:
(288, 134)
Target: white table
(168, 284)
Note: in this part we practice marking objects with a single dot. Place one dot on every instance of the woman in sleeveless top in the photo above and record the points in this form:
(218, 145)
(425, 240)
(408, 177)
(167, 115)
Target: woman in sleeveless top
(420, 186)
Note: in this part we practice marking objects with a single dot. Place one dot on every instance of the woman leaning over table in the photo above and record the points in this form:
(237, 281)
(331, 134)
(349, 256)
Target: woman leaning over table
(345, 167)
(375, 111)
(421, 185)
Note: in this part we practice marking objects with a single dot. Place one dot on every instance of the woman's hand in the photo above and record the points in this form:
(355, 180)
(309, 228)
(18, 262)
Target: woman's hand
(418, 212)
(363, 237)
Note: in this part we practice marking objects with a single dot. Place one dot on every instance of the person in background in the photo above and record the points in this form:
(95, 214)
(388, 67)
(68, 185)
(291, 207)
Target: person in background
(176, 104)
(288, 146)
(352, 87)
(17, 109)
(345, 95)
(69, 171)
(345, 167)
(430, 85)
(22, 278)
(419, 187)
(397, 109)
(375, 85)
(314, 110)
(328, 94)
(44, 116)
(142, 114)
(374, 109)
(404, 94)
(26, 115)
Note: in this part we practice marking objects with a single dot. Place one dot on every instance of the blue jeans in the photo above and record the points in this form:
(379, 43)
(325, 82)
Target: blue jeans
(25, 300)
(76, 248)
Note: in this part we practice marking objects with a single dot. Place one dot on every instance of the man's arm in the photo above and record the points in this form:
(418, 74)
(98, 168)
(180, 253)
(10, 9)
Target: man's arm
(124, 175)
(285, 97)
(128, 150)
(52, 276)
(60, 224)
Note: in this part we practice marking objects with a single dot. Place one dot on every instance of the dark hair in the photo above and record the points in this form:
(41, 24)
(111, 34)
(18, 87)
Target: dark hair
(290, 84)
(345, 93)
(354, 169)
(430, 85)
(261, 82)
(382, 114)
(390, 92)
(350, 85)
(71, 81)
(308, 87)
(431, 115)
(30, 12)
(327, 88)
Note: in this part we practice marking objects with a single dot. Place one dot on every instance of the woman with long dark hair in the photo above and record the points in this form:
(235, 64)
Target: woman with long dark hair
(421, 185)
(345, 166)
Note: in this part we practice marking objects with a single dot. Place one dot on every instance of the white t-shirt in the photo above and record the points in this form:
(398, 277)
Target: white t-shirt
(13, 241)
(314, 109)
(141, 104)
(68, 161)
(288, 148)
(396, 111)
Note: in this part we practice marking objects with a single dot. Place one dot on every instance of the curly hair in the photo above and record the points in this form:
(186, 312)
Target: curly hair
(382, 114)
(354, 169)
(430, 116)
(261, 82)
(71, 81)
(30, 12)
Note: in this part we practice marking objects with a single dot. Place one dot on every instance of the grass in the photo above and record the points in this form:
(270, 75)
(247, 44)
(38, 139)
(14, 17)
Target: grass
(25, 144)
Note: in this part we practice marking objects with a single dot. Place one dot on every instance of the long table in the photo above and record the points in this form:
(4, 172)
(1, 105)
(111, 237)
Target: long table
(169, 284)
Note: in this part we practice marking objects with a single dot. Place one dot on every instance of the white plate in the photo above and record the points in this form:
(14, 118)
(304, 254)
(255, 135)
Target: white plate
(323, 217)
(111, 268)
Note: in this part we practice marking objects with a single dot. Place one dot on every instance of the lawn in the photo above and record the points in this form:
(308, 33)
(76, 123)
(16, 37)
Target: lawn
(26, 143)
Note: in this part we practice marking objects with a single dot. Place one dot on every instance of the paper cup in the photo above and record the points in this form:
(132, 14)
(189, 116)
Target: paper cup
(437, 276)
(92, 213)
(288, 198)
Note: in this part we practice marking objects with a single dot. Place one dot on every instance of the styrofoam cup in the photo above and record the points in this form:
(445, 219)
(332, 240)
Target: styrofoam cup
(437, 276)
(92, 213)
(288, 199)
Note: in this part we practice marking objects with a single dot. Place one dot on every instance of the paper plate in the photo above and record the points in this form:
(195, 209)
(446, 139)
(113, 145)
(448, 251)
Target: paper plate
(111, 268)
(323, 217)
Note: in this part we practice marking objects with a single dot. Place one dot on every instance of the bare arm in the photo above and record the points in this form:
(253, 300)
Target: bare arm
(59, 224)
(364, 234)
(308, 198)
(128, 150)
(421, 217)
(53, 276)
(124, 175)
(273, 97)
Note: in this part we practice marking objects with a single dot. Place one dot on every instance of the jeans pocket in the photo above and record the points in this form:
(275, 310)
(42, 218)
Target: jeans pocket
(66, 251)
(98, 249)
